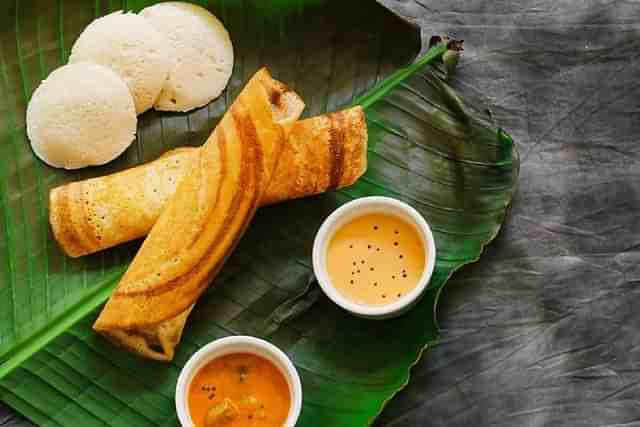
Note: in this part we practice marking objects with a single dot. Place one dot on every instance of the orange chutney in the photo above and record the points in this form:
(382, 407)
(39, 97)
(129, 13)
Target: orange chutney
(375, 259)
(239, 390)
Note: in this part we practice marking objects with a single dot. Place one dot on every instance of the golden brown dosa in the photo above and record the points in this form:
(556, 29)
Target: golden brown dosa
(212, 206)
(200, 224)
(320, 154)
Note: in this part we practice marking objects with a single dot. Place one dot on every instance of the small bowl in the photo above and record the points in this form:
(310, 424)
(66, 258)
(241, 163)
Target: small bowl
(238, 344)
(355, 209)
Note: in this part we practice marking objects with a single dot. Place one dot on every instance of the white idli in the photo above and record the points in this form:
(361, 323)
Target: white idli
(81, 115)
(133, 48)
(202, 54)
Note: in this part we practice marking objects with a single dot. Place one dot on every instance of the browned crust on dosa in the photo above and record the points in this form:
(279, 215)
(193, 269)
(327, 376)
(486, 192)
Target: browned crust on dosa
(202, 222)
(203, 219)
(321, 153)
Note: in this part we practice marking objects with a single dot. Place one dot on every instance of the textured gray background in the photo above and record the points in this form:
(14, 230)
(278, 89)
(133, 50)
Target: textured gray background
(544, 330)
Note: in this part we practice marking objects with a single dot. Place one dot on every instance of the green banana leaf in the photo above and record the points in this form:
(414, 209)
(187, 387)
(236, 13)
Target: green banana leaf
(327, 57)
(428, 147)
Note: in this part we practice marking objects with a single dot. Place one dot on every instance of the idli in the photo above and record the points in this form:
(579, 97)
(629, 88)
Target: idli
(202, 55)
(81, 115)
(129, 45)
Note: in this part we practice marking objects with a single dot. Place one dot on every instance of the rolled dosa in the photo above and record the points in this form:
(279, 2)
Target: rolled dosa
(320, 154)
(199, 226)
(203, 221)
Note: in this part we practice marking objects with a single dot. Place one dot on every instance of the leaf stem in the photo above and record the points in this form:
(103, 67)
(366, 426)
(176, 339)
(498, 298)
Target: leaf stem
(60, 324)
(391, 82)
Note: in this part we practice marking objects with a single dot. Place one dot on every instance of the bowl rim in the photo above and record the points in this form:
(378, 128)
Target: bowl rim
(328, 228)
(253, 345)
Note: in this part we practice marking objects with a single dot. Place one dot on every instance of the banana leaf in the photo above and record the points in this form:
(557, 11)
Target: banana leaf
(428, 146)
(327, 57)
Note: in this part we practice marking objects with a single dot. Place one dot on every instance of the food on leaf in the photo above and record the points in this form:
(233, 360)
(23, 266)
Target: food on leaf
(201, 51)
(81, 115)
(320, 154)
(129, 45)
(200, 225)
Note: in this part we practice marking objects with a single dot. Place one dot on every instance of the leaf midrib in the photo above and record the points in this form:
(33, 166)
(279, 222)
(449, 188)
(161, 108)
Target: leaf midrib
(11, 359)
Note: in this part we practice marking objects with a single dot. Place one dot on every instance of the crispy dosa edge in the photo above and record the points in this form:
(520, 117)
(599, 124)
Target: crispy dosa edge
(323, 153)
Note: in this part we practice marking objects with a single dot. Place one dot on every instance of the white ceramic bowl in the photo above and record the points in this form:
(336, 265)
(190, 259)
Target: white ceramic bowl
(238, 344)
(349, 212)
